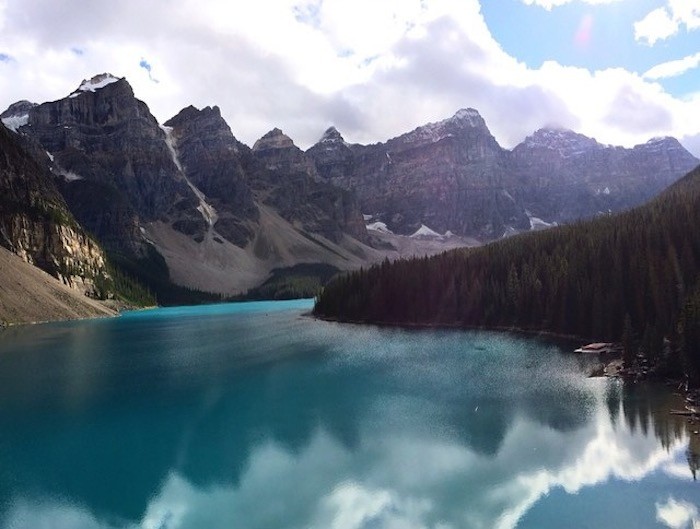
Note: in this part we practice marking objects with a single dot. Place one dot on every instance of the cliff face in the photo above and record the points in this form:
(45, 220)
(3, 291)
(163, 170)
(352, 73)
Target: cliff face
(214, 162)
(275, 173)
(563, 176)
(453, 175)
(116, 166)
(285, 178)
(35, 222)
(449, 175)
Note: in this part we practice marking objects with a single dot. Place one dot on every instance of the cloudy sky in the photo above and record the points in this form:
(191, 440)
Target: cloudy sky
(621, 71)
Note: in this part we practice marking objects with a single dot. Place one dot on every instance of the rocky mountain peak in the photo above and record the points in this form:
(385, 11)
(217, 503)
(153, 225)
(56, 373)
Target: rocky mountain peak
(192, 113)
(467, 117)
(17, 115)
(567, 142)
(663, 148)
(19, 108)
(331, 136)
(186, 114)
(464, 121)
(95, 83)
(275, 139)
(661, 142)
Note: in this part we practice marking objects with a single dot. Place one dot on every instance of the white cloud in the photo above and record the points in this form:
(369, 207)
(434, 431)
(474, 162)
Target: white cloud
(673, 68)
(664, 22)
(549, 4)
(315, 64)
(657, 25)
(677, 514)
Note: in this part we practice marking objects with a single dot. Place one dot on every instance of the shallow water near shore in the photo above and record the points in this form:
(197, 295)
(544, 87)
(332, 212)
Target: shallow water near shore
(252, 415)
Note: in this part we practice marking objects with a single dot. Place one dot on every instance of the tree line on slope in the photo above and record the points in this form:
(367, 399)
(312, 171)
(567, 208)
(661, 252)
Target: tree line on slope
(634, 274)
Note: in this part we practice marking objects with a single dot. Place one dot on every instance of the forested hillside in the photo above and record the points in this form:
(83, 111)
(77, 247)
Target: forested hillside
(634, 274)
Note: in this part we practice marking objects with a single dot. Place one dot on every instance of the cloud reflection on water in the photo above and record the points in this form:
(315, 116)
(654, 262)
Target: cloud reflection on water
(371, 429)
(413, 482)
(408, 482)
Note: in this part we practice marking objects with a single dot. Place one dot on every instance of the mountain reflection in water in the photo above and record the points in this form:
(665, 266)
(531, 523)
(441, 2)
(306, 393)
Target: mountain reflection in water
(251, 416)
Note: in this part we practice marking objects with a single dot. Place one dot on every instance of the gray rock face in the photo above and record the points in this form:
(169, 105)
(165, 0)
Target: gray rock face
(17, 114)
(563, 176)
(114, 160)
(214, 161)
(453, 175)
(35, 222)
(285, 178)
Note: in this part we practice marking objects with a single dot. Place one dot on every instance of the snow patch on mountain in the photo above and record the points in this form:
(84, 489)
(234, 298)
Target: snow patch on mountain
(69, 176)
(537, 223)
(379, 226)
(424, 232)
(15, 122)
(97, 82)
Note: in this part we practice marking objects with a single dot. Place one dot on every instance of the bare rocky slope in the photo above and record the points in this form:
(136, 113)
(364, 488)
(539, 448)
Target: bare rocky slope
(187, 203)
(29, 295)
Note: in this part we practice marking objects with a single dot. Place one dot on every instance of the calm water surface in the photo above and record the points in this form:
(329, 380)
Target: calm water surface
(253, 416)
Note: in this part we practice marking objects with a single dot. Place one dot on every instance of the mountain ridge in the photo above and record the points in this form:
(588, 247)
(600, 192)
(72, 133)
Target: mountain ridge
(206, 202)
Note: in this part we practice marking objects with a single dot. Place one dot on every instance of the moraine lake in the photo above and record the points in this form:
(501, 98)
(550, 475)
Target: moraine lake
(255, 416)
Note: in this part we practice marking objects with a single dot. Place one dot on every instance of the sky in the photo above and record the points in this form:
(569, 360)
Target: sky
(621, 71)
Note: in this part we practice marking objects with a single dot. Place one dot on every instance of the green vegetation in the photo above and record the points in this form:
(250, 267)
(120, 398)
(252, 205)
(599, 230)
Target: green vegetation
(632, 277)
(295, 282)
(123, 287)
(152, 271)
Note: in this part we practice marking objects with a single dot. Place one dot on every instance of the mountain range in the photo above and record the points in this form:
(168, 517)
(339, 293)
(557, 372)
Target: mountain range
(186, 203)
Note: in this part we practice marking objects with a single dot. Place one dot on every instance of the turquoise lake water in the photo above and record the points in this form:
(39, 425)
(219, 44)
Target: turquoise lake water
(254, 416)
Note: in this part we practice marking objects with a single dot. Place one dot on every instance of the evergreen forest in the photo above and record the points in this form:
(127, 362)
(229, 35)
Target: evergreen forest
(632, 277)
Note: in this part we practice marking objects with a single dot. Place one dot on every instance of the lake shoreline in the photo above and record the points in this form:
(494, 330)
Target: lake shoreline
(457, 326)
(608, 367)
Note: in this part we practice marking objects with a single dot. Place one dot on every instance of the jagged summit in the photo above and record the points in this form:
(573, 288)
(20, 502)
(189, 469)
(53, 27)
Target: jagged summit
(469, 116)
(191, 113)
(331, 136)
(17, 115)
(97, 82)
(463, 120)
(666, 146)
(19, 108)
(566, 141)
(275, 139)
(667, 141)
